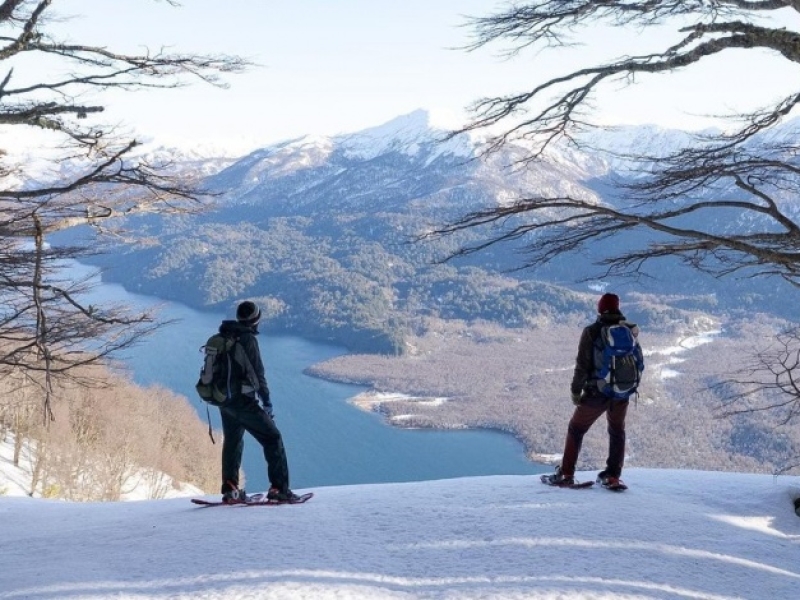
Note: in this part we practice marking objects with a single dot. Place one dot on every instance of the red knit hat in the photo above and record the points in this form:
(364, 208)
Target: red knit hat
(608, 303)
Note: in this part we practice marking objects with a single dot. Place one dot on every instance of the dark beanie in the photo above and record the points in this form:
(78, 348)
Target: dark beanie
(608, 303)
(248, 313)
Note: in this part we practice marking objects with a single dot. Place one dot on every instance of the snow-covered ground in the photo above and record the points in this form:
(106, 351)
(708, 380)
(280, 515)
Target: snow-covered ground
(673, 535)
(682, 345)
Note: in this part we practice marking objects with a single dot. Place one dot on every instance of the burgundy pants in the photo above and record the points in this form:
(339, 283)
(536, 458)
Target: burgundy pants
(583, 418)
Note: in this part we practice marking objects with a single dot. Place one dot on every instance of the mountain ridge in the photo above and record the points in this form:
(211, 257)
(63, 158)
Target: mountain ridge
(327, 231)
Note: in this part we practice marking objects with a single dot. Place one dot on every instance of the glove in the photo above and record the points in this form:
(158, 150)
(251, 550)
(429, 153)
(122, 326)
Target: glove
(576, 398)
(263, 395)
(266, 403)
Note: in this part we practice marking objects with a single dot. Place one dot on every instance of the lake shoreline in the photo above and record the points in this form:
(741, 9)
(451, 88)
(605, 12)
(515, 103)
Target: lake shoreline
(497, 381)
(376, 402)
(329, 441)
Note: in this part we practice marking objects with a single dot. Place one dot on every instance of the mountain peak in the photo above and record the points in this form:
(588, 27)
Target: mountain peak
(404, 133)
(407, 134)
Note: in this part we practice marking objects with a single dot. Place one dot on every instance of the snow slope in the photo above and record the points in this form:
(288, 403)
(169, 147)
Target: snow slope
(673, 535)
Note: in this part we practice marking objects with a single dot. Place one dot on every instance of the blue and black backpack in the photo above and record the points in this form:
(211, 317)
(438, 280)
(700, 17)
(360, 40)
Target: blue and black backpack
(618, 360)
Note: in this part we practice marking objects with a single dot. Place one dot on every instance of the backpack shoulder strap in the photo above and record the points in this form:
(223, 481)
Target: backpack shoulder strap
(595, 329)
(240, 356)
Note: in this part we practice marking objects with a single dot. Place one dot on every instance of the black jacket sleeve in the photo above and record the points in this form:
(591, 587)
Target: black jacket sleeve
(251, 349)
(584, 362)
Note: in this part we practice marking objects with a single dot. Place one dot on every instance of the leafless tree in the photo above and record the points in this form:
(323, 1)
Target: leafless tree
(722, 204)
(738, 171)
(95, 176)
(770, 382)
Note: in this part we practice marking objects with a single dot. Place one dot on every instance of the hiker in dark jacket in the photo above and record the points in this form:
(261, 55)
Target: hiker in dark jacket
(244, 413)
(590, 403)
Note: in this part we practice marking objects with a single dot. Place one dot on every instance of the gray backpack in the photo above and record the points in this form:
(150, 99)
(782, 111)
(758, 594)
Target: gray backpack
(218, 381)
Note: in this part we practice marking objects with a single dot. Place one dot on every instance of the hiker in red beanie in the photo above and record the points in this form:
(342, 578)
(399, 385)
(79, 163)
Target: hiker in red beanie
(607, 373)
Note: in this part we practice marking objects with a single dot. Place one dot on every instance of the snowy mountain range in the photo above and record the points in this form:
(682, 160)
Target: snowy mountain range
(412, 145)
(415, 144)
(306, 222)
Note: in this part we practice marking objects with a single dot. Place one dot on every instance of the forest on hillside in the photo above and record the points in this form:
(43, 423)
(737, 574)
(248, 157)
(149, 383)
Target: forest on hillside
(333, 287)
(354, 282)
(433, 330)
(107, 437)
(479, 375)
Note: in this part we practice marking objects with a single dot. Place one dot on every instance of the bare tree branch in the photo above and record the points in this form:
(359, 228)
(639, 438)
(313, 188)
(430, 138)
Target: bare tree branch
(557, 116)
(723, 204)
(46, 324)
(769, 384)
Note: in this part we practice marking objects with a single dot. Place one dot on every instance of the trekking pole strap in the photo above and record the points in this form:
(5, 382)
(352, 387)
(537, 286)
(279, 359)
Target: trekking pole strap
(210, 431)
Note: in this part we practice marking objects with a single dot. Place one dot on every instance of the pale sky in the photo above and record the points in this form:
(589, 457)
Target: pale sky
(339, 66)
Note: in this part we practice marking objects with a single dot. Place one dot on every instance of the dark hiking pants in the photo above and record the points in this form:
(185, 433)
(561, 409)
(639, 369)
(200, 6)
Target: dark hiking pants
(583, 418)
(245, 414)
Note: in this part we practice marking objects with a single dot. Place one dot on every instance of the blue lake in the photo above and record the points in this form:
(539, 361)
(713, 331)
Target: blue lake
(328, 441)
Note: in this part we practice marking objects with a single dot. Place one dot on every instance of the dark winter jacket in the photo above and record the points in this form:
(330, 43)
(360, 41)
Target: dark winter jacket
(256, 385)
(584, 363)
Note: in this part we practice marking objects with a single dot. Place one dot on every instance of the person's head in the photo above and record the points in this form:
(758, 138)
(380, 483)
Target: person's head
(248, 313)
(608, 303)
